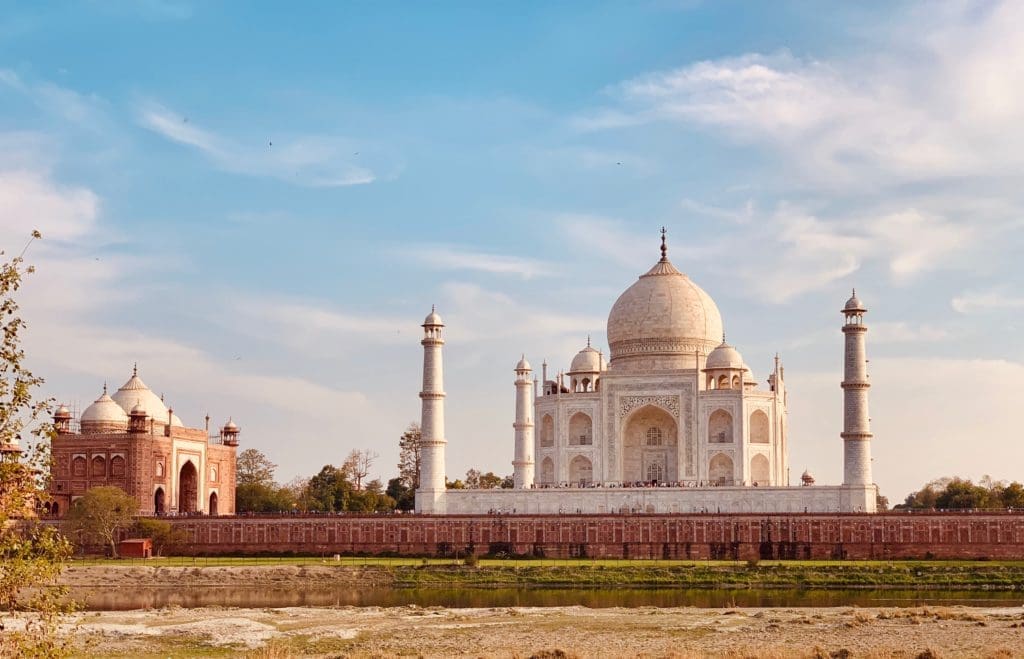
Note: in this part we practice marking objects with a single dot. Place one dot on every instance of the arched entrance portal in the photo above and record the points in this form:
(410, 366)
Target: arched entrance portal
(158, 501)
(213, 504)
(188, 489)
(650, 446)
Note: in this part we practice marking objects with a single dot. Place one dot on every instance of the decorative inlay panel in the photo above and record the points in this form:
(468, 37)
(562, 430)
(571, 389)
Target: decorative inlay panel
(629, 403)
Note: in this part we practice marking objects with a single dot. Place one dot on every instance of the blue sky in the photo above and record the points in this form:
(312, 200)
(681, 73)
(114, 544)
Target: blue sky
(260, 202)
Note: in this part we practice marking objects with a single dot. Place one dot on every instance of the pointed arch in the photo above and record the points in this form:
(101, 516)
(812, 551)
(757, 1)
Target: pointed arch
(720, 427)
(581, 430)
(759, 427)
(721, 470)
(760, 472)
(581, 471)
(547, 431)
(547, 471)
(650, 437)
(188, 488)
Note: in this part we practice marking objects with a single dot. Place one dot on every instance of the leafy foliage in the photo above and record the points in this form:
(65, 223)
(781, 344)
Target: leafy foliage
(101, 514)
(163, 534)
(31, 555)
(961, 494)
(255, 489)
(409, 457)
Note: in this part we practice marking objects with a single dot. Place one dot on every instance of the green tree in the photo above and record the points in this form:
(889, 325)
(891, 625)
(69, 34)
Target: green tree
(404, 496)
(255, 489)
(31, 555)
(254, 468)
(101, 514)
(1012, 496)
(409, 456)
(962, 495)
(330, 490)
(163, 534)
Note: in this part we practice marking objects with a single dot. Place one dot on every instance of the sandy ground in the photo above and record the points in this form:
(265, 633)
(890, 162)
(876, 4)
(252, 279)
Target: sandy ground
(551, 632)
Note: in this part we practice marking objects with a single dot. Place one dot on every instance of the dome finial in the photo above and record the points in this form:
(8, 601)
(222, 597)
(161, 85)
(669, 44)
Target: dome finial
(588, 340)
(135, 369)
(723, 337)
(104, 387)
(664, 247)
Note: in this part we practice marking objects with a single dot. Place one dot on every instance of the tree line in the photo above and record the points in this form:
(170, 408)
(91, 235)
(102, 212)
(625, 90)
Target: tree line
(343, 488)
(953, 493)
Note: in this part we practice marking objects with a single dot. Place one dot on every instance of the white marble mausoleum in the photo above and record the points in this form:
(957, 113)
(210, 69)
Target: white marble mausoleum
(673, 421)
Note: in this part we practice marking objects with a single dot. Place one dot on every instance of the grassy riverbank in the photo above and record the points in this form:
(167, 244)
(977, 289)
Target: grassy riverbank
(409, 573)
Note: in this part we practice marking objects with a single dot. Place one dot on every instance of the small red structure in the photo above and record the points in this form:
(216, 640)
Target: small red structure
(135, 548)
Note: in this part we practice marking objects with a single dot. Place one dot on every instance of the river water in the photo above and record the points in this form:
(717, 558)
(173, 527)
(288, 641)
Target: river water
(119, 599)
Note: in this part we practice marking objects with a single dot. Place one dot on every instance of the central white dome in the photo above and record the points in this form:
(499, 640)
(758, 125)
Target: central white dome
(661, 321)
(135, 392)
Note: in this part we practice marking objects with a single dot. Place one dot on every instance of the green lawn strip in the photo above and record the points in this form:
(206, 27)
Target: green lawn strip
(420, 573)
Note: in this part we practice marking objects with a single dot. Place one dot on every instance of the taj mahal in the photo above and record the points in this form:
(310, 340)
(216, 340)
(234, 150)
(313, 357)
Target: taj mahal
(673, 421)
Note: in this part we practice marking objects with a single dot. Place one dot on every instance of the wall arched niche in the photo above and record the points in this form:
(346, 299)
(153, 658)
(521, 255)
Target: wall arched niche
(759, 433)
(547, 431)
(639, 456)
(547, 471)
(581, 471)
(581, 430)
(188, 488)
(720, 427)
(760, 472)
(720, 470)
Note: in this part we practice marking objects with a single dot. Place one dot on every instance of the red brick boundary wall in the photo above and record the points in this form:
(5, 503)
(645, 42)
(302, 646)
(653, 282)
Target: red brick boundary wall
(718, 536)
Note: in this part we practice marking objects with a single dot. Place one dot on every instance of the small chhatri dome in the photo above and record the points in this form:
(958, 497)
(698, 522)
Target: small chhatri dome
(725, 356)
(665, 316)
(138, 410)
(230, 426)
(523, 365)
(62, 412)
(587, 360)
(807, 478)
(854, 303)
(433, 318)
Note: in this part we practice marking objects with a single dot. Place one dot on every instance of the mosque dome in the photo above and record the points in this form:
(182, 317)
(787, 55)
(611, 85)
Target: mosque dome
(725, 356)
(662, 319)
(135, 391)
(587, 360)
(104, 415)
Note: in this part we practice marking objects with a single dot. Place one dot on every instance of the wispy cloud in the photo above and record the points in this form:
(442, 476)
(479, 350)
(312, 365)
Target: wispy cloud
(85, 111)
(952, 108)
(456, 257)
(983, 301)
(307, 325)
(312, 161)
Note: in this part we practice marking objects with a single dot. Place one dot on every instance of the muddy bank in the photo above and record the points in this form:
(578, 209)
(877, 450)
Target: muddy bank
(574, 631)
(134, 576)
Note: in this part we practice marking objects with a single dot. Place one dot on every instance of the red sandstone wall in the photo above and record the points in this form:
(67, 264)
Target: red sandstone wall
(613, 536)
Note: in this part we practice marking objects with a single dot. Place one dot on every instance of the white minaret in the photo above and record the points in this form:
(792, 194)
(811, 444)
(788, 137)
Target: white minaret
(522, 465)
(430, 495)
(856, 424)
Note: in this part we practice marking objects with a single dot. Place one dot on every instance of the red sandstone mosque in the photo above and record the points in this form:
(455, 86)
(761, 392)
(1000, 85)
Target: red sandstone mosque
(132, 440)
